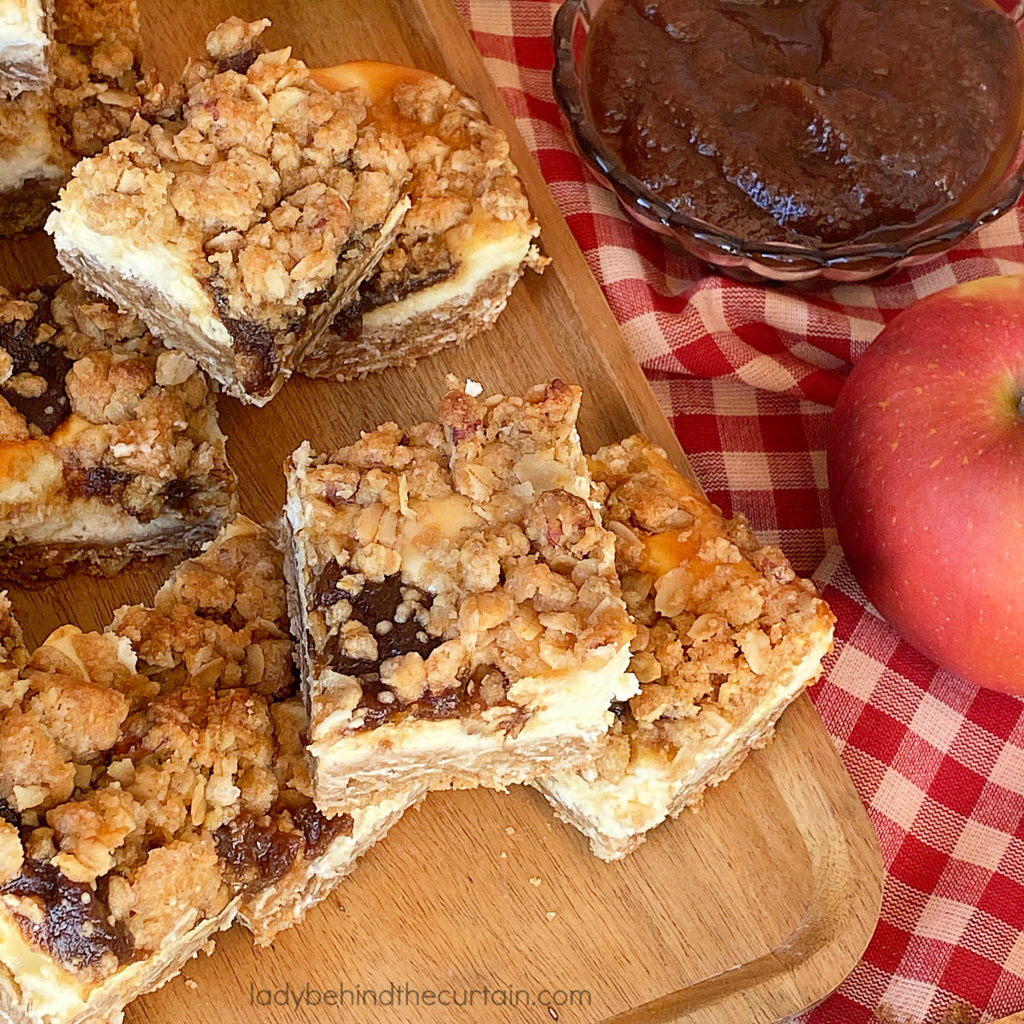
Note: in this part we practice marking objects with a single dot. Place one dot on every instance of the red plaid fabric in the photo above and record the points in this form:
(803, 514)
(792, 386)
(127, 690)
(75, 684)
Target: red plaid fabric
(748, 376)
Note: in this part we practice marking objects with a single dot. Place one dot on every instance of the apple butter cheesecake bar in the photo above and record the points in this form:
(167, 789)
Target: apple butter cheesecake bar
(153, 787)
(85, 86)
(458, 616)
(465, 241)
(237, 218)
(109, 443)
(726, 637)
(24, 40)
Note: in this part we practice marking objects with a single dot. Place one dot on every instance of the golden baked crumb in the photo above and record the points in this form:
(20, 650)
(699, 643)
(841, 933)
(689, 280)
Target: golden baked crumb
(466, 239)
(718, 614)
(726, 637)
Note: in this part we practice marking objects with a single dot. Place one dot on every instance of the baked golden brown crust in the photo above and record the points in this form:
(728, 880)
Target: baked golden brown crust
(97, 66)
(461, 617)
(467, 238)
(251, 202)
(109, 444)
(726, 636)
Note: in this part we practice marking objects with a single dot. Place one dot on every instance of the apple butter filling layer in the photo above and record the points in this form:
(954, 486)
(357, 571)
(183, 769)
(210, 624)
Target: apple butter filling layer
(455, 599)
(466, 240)
(726, 637)
(240, 213)
(109, 443)
(153, 785)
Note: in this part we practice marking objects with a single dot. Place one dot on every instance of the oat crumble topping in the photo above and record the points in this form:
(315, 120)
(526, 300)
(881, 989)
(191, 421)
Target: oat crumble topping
(96, 63)
(460, 171)
(448, 561)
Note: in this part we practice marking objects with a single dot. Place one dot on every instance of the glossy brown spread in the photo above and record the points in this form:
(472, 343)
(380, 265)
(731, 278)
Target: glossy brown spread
(818, 121)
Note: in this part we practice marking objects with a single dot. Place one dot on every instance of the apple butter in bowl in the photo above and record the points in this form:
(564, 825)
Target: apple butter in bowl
(799, 138)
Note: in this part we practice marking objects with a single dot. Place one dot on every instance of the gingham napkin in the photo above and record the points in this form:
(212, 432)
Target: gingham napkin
(748, 376)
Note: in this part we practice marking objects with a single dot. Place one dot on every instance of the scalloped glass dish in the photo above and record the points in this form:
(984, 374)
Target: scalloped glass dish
(760, 261)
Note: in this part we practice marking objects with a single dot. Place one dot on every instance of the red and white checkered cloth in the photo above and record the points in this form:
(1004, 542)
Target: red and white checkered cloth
(748, 376)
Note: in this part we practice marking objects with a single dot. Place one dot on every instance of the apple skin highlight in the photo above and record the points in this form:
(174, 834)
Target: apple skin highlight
(926, 477)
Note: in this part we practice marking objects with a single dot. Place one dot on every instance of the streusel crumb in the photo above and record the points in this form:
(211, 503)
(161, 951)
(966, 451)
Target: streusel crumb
(530, 558)
(96, 63)
(461, 618)
(459, 164)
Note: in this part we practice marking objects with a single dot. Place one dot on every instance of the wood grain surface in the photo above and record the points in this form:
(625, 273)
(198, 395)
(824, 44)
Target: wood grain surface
(745, 912)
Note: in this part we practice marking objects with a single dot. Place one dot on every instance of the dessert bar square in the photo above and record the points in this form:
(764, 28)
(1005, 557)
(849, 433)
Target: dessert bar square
(109, 443)
(153, 787)
(106, 886)
(466, 240)
(91, 89)
(237, 217)
(726, 637)
(455, 599)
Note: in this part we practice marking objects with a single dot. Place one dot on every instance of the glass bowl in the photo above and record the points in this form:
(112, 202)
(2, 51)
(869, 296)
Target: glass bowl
(757, 261)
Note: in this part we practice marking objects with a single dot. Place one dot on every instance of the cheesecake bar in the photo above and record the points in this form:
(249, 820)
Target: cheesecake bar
(218, 632)
(106, 885)
(88, 90)
(99, 80)
(109, 443)
(454, 596)
(726, 637)
(237, 219)
(153, 789)
(24, 40)
(466, 240)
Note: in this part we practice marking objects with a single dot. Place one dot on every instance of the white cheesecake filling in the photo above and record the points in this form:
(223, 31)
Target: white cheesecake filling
(47, 992)
(367, 825)
(51, 995)
(96, 526)
(154, 268)
(569, 704)
(496, 246)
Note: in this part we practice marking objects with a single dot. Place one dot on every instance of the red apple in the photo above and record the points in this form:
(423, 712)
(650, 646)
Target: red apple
(926, 471)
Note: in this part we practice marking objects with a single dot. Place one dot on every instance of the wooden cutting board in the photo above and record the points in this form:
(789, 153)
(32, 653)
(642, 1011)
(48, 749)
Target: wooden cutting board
(748, 911)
